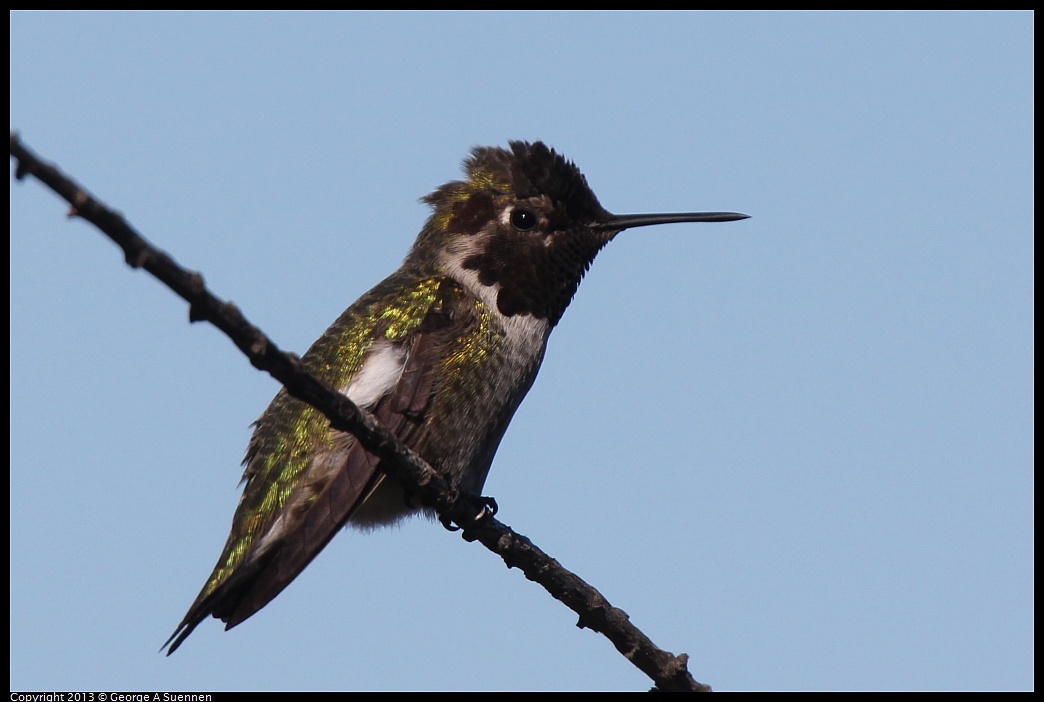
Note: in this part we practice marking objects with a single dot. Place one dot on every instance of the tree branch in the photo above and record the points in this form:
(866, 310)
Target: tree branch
(668, 671)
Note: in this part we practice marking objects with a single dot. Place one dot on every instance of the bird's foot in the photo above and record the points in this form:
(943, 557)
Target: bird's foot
(486, 508)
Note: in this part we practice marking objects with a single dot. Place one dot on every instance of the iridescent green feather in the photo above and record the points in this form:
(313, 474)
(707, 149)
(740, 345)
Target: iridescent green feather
(290, 432)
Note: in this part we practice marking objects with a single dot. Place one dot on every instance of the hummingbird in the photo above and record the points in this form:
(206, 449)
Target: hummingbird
(442, 352)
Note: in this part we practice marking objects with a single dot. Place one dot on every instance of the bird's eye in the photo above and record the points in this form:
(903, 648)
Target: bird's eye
(523, 220)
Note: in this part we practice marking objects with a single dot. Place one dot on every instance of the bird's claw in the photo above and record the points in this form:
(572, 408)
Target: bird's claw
(488, 511)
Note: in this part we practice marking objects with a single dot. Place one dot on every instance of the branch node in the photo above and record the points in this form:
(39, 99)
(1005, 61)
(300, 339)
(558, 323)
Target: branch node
(259, 346)
(594, 619)
(293, 359)
(79, 199)
(137, 258)
(196, 283)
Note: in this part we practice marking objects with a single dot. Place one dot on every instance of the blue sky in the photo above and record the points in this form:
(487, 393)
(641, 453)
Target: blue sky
(798, 448)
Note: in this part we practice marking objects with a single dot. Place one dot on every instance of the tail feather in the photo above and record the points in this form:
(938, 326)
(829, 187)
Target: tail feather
(258, 580)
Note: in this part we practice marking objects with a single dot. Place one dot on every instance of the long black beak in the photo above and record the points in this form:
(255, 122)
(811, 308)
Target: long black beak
(628, 221)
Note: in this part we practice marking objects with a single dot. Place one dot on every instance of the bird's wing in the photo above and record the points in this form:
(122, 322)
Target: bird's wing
(304, 480)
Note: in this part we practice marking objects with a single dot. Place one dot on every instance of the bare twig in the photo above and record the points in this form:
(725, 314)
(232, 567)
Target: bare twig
(667, 670)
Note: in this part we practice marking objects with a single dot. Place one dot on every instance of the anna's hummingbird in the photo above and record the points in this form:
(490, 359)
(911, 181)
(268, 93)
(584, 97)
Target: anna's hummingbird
(442, 352)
